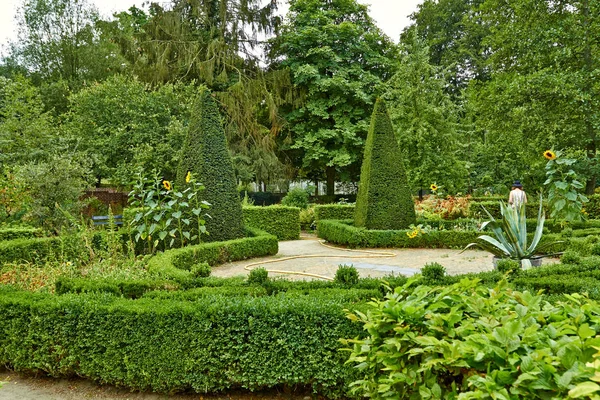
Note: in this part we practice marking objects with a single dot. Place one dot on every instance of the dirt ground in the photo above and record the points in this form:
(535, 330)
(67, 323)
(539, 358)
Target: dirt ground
(305, 256)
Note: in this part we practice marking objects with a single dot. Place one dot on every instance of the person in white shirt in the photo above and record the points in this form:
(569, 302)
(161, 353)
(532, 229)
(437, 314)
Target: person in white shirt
(517, 195)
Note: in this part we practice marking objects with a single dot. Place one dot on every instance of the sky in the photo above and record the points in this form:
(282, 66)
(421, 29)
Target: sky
(391, 15)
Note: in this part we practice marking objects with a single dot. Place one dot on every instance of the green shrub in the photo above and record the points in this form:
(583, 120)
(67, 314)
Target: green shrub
(130, 288)
(40, 250)
(176, 264)
(466, 341)
(307, 219)
(206, 156)
(506, 265)
(201, 270)
(346, 275)
(19, 233)
(258, 276)
(493, 207)
(207, 292)
(214, 344)
(384, 200)
(570, 257)
(283, 222)
(433, 273)
(296, 197)
(334, 211)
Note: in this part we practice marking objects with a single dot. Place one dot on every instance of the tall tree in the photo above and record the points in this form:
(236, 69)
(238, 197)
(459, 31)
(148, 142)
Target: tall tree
(338, 59)
(425, 119)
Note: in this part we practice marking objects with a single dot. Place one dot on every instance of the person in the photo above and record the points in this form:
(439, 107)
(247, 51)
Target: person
(517, 195)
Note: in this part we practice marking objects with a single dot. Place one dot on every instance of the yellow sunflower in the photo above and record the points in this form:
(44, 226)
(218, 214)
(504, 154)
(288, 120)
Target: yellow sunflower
(167, 184)
(433, 187)
(188, 177)
(549, 154)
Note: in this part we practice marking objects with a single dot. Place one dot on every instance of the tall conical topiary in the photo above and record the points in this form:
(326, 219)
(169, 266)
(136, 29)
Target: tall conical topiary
(205, 155)
(384, 200)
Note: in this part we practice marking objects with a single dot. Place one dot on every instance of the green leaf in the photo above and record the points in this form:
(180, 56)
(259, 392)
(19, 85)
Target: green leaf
(583, 389)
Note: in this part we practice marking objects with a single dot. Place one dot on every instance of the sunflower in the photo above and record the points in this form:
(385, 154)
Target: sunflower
(549, 154)
(188, 177)
(167, 184)
(433, 187)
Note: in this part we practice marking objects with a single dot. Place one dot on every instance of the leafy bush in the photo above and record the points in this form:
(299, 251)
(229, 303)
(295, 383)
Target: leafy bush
(296, 197)
(493, 207)
(506, 265)
(466, 341)
(570, 257)
(334, 211)
(40, 250)
(307, 219)
(19, 233)
(201, 270)
(433, 273)
(129, 288)
(206, 156)
(258, 276)
(213, 344)
(346, 275)
(384, 199)
(281, 221)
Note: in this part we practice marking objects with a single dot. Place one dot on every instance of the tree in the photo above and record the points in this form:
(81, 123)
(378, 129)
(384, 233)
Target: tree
(425, 119)
(384, 199)
(338, 59)
(205, 156)
(58, 39)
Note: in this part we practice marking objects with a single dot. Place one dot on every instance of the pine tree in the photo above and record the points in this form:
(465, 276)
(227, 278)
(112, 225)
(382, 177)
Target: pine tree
(384, 200)
(205, 155)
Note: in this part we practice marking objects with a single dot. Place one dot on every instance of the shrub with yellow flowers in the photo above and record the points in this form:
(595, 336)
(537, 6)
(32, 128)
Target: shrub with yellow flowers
(416, 231)
(167, 216)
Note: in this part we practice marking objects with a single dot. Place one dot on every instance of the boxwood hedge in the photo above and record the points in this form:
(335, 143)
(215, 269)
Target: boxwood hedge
(281, 221)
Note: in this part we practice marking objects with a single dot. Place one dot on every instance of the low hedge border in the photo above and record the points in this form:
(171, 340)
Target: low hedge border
(166, 346)
(344, 233)
(281, 221)
(40, 250)
(176, 264)
(19, 233)
(334, 211)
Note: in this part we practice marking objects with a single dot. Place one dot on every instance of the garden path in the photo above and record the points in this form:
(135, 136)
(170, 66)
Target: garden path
(404, 261)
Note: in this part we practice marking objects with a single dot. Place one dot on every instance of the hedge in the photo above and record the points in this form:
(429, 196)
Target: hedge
(334, 211)
(384, 200)
(206, 156)
(40, 250)
(176, 263)
(493, 207)
(283, 222)
(19, 233)
(166, 346)
(132, 289)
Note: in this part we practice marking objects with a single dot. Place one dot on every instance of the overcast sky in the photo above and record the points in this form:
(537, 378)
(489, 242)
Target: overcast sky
(390, 15)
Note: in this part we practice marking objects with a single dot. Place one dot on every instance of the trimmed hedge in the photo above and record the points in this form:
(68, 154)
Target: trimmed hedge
(334, 211)
(384, 200)
(281, 221)
(176, 264)
(493, 207)
(39, 250)
(344, 233)
(166, 346)
(206, 156)
(19, 233)
(132, 289)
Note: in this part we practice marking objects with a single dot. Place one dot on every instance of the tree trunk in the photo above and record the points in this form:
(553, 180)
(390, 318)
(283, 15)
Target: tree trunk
(316, 187)
(330, 171)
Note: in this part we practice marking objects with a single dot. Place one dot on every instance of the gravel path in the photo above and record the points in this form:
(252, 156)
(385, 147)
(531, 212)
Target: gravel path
(403, 261)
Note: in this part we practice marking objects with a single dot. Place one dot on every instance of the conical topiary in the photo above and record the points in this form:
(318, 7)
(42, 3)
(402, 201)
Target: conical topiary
(384, 200)
(205, 155)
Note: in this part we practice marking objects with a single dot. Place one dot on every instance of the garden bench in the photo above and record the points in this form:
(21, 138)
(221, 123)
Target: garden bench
(104, 219)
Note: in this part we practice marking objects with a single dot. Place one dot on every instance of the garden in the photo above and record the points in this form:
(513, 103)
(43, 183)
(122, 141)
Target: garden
(209, 158)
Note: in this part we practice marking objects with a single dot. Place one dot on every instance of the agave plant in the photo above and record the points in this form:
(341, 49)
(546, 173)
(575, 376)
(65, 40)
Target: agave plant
(511, 235)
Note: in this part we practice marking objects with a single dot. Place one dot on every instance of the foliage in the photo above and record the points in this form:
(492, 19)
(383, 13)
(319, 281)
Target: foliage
(448, 208)
(338, 59)
(384, 199)
(281, 221)
(10, 233)
(297, 197)
(505, 265)
(258, 276)
(334, 211)
(201, 270)
(215, 344)
(205, 156)
(307, 219)
(511, 235)
(166, 216)
(15, 200)
(466, 341)
(433, 273)
(425, 119)
(55, 188)
(346, 274)
(564, 200)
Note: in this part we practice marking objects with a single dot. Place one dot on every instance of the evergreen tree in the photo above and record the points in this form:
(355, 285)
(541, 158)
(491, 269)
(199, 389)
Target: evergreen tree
(205, 155)
(384, 200)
